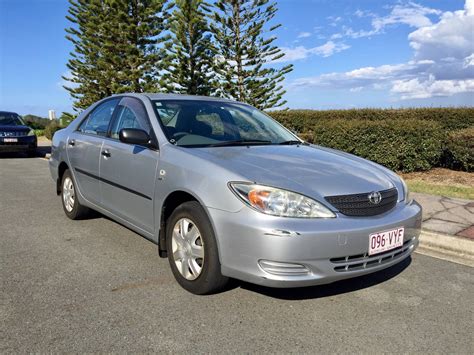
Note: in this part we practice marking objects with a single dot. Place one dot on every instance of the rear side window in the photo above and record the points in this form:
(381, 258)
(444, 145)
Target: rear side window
(130, 114)
(98, 120)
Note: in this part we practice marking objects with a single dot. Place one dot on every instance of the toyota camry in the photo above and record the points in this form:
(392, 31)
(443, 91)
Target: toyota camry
(227, 192)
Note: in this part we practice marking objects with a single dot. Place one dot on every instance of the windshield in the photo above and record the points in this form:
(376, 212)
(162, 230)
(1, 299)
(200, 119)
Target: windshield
(190, 123)
(10, 119)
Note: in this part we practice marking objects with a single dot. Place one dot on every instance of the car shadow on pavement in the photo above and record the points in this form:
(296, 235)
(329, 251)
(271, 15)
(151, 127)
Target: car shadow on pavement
(336, 288)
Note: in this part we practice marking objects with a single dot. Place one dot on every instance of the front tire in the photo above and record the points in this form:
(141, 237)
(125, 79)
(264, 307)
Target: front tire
(71, 206)
(192, 250)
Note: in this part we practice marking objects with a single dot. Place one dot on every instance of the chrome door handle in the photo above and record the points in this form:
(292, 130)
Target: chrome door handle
(106, 153)
(72, 142)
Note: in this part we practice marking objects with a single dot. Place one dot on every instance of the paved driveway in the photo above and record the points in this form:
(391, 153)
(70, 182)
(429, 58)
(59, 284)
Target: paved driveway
(94, 286)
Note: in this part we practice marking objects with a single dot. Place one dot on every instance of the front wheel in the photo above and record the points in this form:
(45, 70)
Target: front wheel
(192, 250)
(71, 205)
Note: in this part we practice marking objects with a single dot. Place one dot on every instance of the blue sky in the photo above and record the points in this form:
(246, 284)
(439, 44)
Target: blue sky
(368, 53)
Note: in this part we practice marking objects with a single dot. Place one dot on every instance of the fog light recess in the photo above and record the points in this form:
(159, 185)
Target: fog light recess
(283, 269)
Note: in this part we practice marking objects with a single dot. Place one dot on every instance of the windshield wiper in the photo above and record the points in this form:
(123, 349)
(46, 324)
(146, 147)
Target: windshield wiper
(292, 142)
(239, 142)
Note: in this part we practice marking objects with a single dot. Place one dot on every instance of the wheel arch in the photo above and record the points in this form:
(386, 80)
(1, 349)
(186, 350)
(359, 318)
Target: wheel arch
(170, 203)
(61, 169)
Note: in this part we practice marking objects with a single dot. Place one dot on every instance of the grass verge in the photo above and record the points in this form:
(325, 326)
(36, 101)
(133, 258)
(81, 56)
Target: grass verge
(463, 192)
(444, 182)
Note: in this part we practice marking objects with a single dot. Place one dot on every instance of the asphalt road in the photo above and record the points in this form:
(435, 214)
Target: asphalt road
(95, 286)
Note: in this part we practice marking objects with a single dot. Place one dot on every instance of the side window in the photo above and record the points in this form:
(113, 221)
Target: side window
(131, 114)
(98, 120)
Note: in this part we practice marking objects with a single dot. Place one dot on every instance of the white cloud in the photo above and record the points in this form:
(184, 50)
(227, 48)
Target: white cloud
(443, 57)
(469, 7)
(304, 35)
(410, 14)
(419, 89)
(452, 36)
(334, 18)
(468, 61)
(300, 52)
(293, 54)
(329, 48)
(359, 13)
(375, 77)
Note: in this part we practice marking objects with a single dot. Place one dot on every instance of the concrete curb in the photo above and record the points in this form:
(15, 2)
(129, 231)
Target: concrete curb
(447, 247)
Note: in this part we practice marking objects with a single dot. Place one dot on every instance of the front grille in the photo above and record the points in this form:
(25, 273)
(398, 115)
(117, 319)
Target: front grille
(364, 261)
(13, 134)
(359, 205)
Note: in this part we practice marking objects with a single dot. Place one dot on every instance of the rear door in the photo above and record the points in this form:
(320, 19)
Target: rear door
(84, 147)
(128, 172)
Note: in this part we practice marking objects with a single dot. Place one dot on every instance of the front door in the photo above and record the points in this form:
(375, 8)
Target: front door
(84, 147)
(127, 171)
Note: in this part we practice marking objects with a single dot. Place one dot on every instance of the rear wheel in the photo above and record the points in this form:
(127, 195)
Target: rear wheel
(71, 205)
(192, 250)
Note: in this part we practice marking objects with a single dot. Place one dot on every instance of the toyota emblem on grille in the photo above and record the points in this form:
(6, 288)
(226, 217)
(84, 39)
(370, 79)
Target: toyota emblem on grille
(375, 197)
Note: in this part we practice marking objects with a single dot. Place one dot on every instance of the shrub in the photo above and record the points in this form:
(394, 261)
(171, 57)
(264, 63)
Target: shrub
(402, 145)
(39, 132)
(459, 150)
(36, 122)
(449, 118)
(51, 129)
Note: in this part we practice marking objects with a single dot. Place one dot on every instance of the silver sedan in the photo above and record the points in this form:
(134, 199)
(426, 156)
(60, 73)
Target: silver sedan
(227, 192)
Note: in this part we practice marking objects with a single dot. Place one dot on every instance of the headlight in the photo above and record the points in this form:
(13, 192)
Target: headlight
(406, 191)
(278, 202)
(31, 132)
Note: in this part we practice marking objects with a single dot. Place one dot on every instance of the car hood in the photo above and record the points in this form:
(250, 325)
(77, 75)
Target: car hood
(7, 128)
(311, 170)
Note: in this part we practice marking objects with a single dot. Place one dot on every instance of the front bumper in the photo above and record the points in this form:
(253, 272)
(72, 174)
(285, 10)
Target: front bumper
(22, 144)
(291, 252)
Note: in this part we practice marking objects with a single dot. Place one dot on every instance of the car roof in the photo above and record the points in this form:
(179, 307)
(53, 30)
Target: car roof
(161, 96)
(14, 113)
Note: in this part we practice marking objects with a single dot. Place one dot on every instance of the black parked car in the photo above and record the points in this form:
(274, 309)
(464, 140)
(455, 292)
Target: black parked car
(15, 135)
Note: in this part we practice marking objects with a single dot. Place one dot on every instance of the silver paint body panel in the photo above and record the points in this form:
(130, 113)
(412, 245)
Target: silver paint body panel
(244, 236)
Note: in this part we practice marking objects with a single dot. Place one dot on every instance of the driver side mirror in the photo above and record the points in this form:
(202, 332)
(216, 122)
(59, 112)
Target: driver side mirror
(135, 136)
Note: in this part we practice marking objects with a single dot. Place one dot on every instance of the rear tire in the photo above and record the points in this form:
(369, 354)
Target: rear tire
(71, 206)
(192, 250)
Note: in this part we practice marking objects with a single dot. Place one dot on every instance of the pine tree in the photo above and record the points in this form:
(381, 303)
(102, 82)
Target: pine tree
(189, 59)
(245, 53)
(117, 47)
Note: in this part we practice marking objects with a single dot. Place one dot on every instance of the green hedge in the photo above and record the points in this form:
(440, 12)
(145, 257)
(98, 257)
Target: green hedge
(459, 150)
(449, 118)
(400, 139)
(397, 144)
(51, 129)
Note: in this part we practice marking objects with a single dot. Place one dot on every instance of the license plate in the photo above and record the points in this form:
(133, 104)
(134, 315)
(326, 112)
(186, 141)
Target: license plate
(384, 241)
(10, 140)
